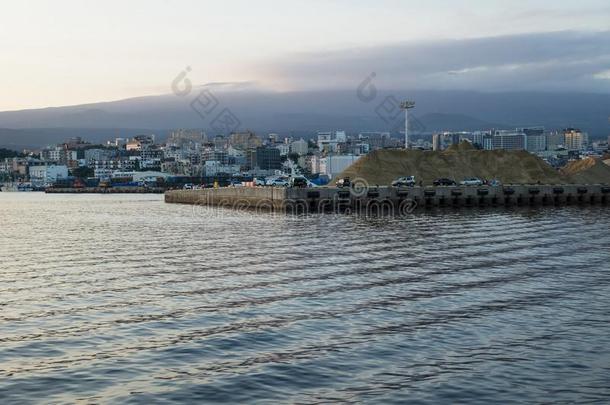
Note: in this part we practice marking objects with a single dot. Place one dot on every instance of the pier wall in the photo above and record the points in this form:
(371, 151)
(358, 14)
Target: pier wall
(399, 199)
(106, 190)
(271, 198)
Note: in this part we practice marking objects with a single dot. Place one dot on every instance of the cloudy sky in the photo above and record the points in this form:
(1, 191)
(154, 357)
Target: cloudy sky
(69, 52)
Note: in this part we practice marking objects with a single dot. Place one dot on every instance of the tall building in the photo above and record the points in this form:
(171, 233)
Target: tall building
(509, 140)
(575, 139)
(437, 143)
(536, 138)
(555, 141)
(265, 158)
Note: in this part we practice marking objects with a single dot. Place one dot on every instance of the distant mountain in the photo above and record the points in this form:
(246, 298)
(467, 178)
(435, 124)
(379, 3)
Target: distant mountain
(303, 113)
(437, 122)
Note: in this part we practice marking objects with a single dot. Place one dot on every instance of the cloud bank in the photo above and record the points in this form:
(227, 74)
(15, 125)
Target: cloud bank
(553, 61)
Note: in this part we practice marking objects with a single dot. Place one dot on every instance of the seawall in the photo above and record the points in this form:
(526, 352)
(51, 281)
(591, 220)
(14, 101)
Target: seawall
(398, 199)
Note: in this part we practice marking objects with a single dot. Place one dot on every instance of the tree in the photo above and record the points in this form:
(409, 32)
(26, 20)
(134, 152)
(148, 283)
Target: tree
(294, 157)
(83, 172)
(7, 153)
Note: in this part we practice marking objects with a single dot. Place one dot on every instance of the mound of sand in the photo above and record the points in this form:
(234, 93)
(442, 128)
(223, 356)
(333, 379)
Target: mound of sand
(457, 162)
(589, 170)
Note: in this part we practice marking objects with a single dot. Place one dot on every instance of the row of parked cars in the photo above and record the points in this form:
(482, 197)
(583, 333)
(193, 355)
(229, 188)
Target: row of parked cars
(409, 181)
(283, 181)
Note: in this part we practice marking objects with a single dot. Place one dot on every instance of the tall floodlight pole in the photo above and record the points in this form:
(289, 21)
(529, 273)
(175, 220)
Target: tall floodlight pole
(407, 105)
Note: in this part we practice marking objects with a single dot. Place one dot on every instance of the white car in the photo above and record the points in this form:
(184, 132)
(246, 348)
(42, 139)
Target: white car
(404, 181)
(471, 181)
(280, 182)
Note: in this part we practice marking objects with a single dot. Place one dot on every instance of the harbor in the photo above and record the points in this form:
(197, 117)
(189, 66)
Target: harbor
(393, 199)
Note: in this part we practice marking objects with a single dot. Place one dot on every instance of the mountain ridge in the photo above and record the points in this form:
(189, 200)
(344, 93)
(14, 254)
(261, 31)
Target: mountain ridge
(305, 112)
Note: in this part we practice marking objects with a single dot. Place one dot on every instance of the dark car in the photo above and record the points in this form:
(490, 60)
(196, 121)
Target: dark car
(298, 182)
(444, 182)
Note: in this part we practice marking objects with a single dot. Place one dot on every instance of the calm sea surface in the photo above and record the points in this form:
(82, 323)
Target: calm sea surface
(122, 298)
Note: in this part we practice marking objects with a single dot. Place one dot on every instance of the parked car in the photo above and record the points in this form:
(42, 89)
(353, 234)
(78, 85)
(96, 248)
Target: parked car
(444, 182)
(280, 182)
(299, 182)
(259, 181)
(495, 183)
(344, 182)
(471, 181)
(408, 181)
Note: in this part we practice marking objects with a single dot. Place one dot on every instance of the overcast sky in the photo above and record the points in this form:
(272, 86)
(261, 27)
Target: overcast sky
(66, 52)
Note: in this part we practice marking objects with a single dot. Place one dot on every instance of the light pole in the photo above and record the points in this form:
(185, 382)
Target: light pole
(407, 105)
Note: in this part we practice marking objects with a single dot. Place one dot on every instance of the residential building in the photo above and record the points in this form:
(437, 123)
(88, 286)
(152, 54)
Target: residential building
(375, 140)
(332, 165)
(218, 155)
(41, 175)
(283, 148)
(91, 155)
(300, 147)
(329, 141)
(244, 140)
(186, 138)
(575, 139)
(140, 142)
(213, 168)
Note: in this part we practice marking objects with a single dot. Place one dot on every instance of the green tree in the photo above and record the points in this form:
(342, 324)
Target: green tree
(7, 153)
(83, 172)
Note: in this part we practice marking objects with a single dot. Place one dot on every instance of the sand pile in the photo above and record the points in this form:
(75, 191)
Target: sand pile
(589, 170)
(458, 162)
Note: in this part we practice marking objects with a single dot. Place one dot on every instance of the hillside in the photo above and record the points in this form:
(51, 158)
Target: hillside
(383, 166)
(588, 170)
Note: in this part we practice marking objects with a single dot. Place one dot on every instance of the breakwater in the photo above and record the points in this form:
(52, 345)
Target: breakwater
(106, 190)
(398, 199)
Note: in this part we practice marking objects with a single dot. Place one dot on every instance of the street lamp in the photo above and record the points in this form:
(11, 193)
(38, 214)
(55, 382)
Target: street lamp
(407, 105)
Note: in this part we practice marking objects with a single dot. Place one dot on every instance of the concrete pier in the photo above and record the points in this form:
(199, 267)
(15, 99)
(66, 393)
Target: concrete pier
(106, 190)
(393, 199)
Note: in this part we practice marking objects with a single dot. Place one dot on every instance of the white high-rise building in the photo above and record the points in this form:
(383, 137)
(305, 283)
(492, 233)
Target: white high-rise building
(575, 139)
